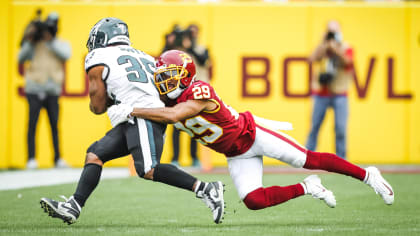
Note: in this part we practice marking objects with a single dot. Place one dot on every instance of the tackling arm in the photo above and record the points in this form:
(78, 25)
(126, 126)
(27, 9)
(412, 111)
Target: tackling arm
(97, 90)
(170, 115)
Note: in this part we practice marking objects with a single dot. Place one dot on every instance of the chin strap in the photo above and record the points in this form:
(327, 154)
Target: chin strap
(174, 94)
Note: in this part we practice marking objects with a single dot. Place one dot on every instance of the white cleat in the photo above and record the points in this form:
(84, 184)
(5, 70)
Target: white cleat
(32, 164)
(61, 164)
(314, 187)
(212, 196)
(375, 180)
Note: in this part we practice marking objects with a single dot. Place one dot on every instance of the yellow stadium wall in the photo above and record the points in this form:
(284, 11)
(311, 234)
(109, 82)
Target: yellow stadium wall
(383, 121)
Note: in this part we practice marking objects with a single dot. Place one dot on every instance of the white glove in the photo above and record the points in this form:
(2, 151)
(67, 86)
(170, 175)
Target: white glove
(119, 113)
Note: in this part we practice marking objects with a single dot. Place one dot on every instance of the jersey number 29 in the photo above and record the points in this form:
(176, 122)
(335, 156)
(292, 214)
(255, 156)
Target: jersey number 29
(197, 126)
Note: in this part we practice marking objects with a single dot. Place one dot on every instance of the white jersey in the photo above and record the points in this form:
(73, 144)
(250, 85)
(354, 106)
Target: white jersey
(128, 75)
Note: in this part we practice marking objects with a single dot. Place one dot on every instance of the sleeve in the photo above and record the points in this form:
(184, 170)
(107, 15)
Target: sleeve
(349, 54)
(25, 52)
(95, 58)
(61, 48)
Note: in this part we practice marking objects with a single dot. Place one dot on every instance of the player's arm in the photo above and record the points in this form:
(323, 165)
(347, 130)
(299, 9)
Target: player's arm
(170, 115)
(97, 90)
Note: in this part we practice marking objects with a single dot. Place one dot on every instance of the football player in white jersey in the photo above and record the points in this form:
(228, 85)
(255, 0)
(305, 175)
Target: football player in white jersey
(118, 73)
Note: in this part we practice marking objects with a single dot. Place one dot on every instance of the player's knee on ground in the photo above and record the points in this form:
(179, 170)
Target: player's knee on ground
(149, 174)
(256, 200)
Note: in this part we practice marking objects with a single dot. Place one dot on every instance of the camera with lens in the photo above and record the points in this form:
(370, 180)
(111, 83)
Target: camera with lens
(326, 78)
(180, 35)
(330, 35)
(39, 27)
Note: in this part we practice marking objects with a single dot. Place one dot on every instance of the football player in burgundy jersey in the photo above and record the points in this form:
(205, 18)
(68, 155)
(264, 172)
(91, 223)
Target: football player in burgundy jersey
(194, 107)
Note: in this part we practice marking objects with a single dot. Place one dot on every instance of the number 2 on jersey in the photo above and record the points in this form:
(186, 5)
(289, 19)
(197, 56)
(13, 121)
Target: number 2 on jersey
(201, 92)
(198, 126)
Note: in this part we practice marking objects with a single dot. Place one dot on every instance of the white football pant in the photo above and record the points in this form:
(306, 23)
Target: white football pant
(246, 170)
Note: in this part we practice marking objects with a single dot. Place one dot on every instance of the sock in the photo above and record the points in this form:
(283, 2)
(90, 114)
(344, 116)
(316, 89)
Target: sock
(305, 190)
(171, 175)
(332, 163)
(199, 186)
(87, 183)
(271, 196)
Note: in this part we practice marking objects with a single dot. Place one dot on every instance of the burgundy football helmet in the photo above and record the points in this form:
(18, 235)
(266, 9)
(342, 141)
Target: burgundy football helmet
(175, 72)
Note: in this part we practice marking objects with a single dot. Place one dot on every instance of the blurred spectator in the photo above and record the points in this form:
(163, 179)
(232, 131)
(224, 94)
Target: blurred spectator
(330, 87)
(173, 39)
(199, 53)
(186, 40)
(44, 78)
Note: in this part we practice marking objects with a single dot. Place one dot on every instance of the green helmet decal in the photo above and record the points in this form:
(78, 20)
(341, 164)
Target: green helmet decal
(106, 32)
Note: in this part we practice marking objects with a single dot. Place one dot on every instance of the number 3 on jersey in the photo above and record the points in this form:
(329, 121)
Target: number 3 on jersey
(201, 92)
(136, 73)
(198, 126)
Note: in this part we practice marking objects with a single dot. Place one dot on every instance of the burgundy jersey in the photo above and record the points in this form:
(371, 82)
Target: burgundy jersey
(223, 129)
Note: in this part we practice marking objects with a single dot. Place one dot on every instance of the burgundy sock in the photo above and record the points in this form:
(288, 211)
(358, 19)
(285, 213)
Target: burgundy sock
(271, 196)
(332, 163)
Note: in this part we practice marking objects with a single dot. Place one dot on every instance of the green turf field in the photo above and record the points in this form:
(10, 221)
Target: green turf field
(137, 207)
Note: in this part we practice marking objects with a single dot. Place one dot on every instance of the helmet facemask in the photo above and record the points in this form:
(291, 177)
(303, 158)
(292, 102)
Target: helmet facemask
(168, 80)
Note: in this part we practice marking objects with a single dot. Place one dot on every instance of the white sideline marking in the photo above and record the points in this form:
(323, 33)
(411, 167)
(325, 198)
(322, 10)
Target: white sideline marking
(35, 178)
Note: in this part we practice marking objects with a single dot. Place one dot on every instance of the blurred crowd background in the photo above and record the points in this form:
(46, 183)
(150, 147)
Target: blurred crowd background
(258, 58)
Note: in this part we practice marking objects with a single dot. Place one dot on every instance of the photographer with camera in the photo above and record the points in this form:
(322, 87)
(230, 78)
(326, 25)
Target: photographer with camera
(44, 77)
(330, 85)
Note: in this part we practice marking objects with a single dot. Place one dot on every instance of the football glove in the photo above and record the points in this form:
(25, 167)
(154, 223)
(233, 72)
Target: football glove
(119, 113)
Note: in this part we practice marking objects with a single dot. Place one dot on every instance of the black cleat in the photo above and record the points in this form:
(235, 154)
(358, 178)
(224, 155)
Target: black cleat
(68, 211)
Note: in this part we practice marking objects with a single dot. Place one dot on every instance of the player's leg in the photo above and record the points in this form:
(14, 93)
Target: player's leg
(318, 113)
(111, 146)
(284, 148)
(145, 142)
(247, 176)
(340, 105)
(333, 163)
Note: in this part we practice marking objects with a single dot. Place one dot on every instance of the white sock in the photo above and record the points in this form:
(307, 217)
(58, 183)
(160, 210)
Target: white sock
(304, 188)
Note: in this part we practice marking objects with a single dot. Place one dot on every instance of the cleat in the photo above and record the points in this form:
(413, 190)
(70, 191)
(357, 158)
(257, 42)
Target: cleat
(68, 211)
(212, 196)
(314, 187)
(32, 164)
(375, 180)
